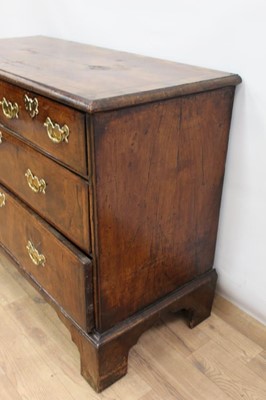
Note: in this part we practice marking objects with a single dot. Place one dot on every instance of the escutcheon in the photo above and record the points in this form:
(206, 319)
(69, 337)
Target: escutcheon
(31, 105)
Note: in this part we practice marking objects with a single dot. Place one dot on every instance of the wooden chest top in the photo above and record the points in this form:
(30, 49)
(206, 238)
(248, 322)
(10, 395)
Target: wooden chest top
(93, 79)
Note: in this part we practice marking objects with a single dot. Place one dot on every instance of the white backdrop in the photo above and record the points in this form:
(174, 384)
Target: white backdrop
(228, 35)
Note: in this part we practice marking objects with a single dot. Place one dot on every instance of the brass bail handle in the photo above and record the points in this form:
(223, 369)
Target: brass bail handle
(55, 132)
(10, 110)
(36, 257)
(35, 184)
(2, 199)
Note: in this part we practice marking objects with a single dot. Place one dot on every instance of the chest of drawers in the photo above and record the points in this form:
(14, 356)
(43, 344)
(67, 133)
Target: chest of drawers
(111, 173)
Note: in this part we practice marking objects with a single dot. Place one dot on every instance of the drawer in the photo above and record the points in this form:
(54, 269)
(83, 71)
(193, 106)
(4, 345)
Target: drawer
(58, 195)
(66, 140)
(50, 260)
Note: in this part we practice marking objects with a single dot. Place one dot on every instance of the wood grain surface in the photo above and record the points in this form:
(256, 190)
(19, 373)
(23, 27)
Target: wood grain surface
(158, 181)
(93, 78)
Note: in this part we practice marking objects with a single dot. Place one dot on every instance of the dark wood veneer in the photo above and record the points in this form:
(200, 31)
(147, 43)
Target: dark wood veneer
(94, 79)
(158, 178)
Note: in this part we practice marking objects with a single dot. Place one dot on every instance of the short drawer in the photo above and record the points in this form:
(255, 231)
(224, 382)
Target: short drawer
(50, 260)
(57, 194)
(54, 128)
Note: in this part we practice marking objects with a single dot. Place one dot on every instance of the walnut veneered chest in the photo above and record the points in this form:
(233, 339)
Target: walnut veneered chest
(111, 173)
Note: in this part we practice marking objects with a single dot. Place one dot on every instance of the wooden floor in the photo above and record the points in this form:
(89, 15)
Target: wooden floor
(223, 358)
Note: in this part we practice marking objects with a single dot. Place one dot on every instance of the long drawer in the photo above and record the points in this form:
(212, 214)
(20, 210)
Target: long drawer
(54, 128)
(57, 194)
(57, 266)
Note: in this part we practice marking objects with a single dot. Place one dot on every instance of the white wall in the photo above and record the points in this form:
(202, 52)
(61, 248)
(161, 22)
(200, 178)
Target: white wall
(227, 35)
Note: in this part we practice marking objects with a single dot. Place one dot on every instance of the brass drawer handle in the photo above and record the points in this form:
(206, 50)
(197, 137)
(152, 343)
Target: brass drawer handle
(37, 258)
(56, 133)
(2, 199)
(31, 105)
(37, 185)
(10, 110)
(1, 137)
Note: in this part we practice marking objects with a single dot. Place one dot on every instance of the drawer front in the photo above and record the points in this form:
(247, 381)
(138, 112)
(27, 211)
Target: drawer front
(55, 129)
(57, 194)
(50, 260)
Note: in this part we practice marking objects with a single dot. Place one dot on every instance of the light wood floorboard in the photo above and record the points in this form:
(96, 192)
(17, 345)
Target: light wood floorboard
(224, 358)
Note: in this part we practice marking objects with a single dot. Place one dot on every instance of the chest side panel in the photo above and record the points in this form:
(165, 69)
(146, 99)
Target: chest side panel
(158, 180)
